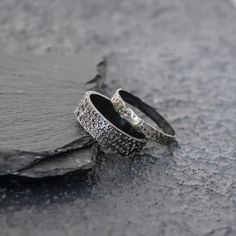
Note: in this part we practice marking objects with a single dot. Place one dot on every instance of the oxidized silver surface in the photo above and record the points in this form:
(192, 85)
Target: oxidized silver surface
(150, 132)
(103, 131)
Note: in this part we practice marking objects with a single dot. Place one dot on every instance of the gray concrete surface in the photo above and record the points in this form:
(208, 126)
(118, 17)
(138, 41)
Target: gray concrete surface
(180, 57)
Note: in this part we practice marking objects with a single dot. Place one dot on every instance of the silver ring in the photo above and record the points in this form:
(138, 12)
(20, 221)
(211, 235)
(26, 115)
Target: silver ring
(163, 134)
(97, 116)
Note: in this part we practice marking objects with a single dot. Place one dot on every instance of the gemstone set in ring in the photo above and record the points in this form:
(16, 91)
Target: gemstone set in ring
(114, 125)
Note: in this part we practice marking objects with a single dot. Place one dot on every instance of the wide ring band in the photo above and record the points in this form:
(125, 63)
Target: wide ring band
(97, 116)
(163, 135)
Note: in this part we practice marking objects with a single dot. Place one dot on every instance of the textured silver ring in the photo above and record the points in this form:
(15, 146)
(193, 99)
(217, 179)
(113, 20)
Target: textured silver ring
(97, 116)
(163, 133)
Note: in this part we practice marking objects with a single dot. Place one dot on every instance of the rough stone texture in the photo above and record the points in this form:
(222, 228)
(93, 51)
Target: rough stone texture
(177, 55)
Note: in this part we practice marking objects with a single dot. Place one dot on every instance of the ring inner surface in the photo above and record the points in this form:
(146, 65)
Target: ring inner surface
(148, 111)
(105, 107)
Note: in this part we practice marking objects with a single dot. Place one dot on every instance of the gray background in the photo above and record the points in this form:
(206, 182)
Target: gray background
(178, 55)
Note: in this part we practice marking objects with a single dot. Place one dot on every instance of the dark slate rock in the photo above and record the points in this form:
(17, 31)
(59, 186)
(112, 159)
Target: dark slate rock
(39, 135)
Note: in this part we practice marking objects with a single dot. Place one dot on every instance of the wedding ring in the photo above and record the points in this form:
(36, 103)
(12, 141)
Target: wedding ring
(163, 133)
(97, 116)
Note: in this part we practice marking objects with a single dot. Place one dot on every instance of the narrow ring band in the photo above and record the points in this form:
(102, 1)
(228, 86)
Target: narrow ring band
(120, 100)
(97, 116)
